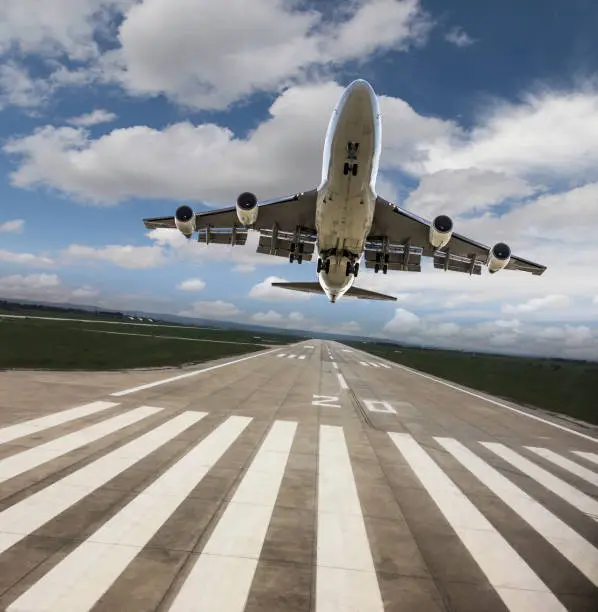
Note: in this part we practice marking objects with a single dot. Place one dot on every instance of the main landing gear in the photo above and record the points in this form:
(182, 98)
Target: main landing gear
(381, 263)
(323, 265)
(351, 165)
(296, 253)
(352, 268)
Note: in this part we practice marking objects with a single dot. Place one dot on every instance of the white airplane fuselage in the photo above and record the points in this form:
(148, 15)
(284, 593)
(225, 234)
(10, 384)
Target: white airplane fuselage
(347, 195)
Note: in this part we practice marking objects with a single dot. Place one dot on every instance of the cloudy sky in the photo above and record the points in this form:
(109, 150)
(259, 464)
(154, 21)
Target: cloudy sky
(115, 110)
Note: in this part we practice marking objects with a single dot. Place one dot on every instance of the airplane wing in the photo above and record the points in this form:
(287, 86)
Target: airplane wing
(409, 238)
(278, 222)
(356, 292)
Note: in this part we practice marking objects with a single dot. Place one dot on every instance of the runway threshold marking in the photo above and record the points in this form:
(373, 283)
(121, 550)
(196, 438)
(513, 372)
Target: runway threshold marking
(579, 470)
(512, 578)
(33, 457)
(500, 404)
(165, 381)
(564, 490)
(24, 517)
(592, 457)
(82, 577)
(222, 575)
(345, 575)
(26, 428)
(580, 553)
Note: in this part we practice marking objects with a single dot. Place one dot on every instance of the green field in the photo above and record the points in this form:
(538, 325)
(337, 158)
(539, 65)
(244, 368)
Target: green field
(70, 345)
(567, 387)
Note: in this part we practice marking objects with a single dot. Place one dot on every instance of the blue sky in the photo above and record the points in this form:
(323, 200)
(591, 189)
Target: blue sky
(111, 111)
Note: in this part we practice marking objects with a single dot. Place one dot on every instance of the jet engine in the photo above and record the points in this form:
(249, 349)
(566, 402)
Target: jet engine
(247, 208)
(500, 255)
(441, 231)
(184, 219)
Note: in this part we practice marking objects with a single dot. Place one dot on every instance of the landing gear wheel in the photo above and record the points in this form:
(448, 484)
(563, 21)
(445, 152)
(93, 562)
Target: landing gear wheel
(319, 266)
(291, 257)
(349, 268)
(385, 269)
(354, 169)
(300, 258)
(327, 266)
(346, 168)
(355, 269)
(376, 268)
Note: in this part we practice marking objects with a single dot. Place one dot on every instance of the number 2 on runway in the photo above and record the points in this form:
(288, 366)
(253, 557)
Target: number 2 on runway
(325, 400)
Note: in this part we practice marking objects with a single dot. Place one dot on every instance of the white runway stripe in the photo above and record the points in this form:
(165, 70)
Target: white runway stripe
(281, 354)
(346, 577)
(342, 382)
(26, 428)
(559, 487)
(374, 365)
(24, 517)
(363, 363)
(384, 365)
(81, 578)
(593, 457)
(335, 365)
(566, 464)
(568, 542)
(222, 576)
(291, 356)
(33, 457)
(301, 356)
(512, 578)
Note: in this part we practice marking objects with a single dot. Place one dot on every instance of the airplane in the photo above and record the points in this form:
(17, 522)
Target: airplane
(344, 218)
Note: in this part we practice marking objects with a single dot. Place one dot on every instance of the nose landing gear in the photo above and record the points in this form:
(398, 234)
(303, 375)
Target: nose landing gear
(352, 268)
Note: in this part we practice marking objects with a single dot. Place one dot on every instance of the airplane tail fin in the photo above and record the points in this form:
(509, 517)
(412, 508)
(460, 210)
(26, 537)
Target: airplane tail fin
(355, 292)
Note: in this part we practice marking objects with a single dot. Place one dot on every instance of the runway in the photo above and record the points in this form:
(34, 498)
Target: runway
(312, 477)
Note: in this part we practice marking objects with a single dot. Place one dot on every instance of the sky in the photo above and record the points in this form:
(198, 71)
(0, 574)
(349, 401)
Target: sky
(116, 110)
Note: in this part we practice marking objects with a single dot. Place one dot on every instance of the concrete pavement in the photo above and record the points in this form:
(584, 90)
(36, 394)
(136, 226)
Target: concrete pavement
(309, 477)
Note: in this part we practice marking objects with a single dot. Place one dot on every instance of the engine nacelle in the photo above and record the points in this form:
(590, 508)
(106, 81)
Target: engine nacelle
(247, 208)
(500, 255)
(184, 219)
(441, 231)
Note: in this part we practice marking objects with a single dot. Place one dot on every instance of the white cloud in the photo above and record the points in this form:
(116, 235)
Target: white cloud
(19, 88)
(125, 256)
(14, 226)
(459, 37)
(217, 309)
(268, 318)
(43, 287)
(244, 268)
(161, 41)
(27, 259)
(549, 301)
(192, 284)
(402, 322)
(595, 300)
(95, 117)
(265, 291)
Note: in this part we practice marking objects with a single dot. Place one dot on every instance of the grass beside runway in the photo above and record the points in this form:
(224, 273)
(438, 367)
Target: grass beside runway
(69, 345)
(559, 385)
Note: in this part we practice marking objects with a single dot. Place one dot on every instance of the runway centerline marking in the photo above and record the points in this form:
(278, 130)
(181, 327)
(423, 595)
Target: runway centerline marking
(510, 576)
(345, 576)
(16, 464)
(26, 428)
(24, 517)
(82, 577)
(500, 404)
(165, 381)
(342, 382)
(222, 576)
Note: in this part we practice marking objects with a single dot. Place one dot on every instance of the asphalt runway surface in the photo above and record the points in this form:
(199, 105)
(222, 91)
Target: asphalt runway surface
(312, 477)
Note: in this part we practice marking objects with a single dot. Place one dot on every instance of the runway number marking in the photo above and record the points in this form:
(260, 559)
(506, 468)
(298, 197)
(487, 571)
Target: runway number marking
(325, 400)
(379, 406)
